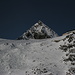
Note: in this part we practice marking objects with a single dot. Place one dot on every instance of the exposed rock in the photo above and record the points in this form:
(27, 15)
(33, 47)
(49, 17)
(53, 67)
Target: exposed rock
(38, 31)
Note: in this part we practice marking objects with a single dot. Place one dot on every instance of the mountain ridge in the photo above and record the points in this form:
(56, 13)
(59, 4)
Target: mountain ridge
(48, 56)
(54, 56)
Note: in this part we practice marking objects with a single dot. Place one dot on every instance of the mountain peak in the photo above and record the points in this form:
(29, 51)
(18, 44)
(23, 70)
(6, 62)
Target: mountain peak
(40, 23)
(38, 31)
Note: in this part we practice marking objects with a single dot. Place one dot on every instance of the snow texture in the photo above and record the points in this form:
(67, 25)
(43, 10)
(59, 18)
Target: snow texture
(54, 56)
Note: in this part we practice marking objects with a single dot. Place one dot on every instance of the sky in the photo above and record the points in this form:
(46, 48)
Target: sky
(16, 16)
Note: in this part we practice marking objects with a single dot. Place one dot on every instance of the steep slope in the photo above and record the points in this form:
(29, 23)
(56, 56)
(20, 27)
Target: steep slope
(38, 57)
(38, 31)
(69, 48)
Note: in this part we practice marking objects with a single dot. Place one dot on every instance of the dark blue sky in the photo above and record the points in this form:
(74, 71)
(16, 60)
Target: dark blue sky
(16, 16)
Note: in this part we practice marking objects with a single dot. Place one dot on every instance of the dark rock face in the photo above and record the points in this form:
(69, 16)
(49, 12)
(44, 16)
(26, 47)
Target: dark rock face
(38, 31)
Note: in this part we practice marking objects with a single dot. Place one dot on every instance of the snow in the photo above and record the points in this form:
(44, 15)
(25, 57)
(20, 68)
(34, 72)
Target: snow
(37, 57)
(31, 57)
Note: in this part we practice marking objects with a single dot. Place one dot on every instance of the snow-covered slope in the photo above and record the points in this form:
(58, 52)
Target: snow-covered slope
(38, 31)
(38, 57)
(73, 31)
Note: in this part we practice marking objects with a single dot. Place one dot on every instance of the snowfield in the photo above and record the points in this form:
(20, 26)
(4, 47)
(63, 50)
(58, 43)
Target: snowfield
(38, 57)
(39, 51)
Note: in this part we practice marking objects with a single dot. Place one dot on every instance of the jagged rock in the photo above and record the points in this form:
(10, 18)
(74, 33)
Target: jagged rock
(69, 48)
(38, 31)
(72, 70)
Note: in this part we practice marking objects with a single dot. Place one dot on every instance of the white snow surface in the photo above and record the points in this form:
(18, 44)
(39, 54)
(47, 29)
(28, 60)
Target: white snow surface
(33, 57)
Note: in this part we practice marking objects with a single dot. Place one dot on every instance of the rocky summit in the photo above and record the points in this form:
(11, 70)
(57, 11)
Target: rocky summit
(38, 31)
